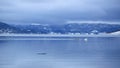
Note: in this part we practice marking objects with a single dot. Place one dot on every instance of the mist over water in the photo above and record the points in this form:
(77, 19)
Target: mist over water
(78, 53)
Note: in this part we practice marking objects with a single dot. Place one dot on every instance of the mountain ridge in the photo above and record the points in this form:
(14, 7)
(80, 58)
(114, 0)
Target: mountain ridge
(68, 28)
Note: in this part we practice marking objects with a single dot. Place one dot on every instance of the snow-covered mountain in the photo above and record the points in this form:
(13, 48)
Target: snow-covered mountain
(71, 28)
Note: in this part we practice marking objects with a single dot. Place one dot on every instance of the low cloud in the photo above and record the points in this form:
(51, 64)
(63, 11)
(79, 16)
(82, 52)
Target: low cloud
(58, 11)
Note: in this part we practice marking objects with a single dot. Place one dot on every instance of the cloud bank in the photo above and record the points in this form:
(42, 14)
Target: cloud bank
(58, 11)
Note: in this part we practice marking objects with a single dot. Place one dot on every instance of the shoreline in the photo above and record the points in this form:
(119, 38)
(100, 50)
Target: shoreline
(58, 35)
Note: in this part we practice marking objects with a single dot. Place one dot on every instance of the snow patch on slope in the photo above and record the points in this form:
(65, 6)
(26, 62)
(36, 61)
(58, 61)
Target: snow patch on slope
(116, 33)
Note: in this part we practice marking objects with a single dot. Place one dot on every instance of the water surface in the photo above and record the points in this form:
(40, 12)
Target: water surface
(95, 52)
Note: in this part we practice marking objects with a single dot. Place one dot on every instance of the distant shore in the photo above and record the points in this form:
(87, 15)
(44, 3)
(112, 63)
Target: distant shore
(61, 35)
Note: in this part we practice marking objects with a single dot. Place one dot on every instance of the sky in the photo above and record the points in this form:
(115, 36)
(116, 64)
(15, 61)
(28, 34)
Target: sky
(59, 11)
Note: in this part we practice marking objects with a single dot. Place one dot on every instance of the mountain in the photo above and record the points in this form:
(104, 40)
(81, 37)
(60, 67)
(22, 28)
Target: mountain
(92, 28)
(81, 28)
(5, 28)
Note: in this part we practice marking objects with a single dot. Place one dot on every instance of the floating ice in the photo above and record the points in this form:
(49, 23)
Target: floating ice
(86, 39)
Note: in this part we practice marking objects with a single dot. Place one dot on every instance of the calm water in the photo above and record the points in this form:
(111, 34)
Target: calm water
(65, 53)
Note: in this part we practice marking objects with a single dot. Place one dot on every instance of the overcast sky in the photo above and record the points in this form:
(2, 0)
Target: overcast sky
(58, 11)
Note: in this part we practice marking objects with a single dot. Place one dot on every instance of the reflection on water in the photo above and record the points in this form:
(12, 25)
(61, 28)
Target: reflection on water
(74, 53)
